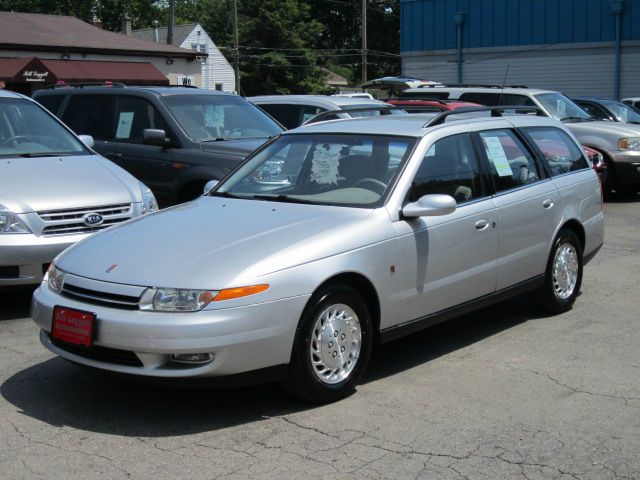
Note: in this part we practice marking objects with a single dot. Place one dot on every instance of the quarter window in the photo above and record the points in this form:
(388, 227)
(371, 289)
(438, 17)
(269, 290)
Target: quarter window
(560, 153)
(510, 163)
(90, 115)
(450, 167)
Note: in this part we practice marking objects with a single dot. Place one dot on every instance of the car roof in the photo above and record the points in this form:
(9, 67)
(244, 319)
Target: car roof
(334, 103)
(128, 89)
(411, 125)
(462, 89)
(9, 94)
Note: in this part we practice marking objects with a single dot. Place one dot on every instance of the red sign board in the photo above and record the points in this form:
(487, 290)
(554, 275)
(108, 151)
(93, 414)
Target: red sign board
(73, 326)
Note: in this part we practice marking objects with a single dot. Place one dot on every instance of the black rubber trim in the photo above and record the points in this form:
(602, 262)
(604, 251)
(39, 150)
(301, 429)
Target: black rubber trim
(397, 331)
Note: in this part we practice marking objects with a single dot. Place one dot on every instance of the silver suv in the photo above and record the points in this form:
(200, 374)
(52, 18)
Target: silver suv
(54, 190)
(367, 229)
(618, 143)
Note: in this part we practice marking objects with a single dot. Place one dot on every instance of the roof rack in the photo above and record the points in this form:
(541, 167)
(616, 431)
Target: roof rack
(495, 112)
(470, 85)
(383, 109)
(86, 84)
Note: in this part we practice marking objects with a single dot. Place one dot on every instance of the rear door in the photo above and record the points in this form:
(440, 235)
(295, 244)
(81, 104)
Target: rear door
(527, 203)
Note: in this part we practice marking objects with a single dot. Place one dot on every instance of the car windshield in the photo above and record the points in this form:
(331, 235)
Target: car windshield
(623, 112)
(561, 108)
(220, 117)
(26, 130)
(326, 169)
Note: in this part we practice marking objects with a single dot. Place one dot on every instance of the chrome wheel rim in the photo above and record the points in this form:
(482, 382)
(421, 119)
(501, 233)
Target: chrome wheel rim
(565, 271)
(336, 339)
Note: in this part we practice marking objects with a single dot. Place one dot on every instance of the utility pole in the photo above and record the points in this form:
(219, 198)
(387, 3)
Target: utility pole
(172, 15)
(236, 63)
(364, 41)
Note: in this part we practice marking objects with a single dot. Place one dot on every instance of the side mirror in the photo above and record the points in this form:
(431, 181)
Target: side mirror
(430, 206)
(87, 140)
(153, 136)
(210, 185)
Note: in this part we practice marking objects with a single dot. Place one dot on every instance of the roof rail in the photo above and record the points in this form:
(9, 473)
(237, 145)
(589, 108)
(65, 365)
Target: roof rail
(86, 84)
(495, 112)
(383, 109)
(470, 85)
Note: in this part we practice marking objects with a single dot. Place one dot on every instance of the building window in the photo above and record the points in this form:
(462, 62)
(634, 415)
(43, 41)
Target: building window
(219, 87)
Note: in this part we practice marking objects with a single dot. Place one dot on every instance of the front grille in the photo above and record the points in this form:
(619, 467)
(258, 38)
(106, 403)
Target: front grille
(60, 222)
(102, 354)
(11, 271)
(113, 300)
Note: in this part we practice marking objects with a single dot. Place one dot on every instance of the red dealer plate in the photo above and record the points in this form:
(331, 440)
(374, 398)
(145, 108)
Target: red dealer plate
(73, 326)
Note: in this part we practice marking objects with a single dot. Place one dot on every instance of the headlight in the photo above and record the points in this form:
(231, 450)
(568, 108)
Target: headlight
(54, 278)
(184, 300)
(149, 203)
(175, 299)
(10, 223)
(632, 143)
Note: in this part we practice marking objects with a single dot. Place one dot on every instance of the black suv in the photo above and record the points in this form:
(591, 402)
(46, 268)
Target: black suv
(172, 139)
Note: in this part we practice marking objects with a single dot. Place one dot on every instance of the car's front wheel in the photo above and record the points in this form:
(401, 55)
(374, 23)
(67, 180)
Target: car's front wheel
(332, 346)
(563, 275)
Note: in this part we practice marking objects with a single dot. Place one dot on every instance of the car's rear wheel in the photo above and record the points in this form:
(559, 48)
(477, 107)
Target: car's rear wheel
(332, 346)
(563, 275)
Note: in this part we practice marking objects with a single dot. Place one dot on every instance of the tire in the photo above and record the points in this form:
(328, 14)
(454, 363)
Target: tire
(319, 372)
(563, 276)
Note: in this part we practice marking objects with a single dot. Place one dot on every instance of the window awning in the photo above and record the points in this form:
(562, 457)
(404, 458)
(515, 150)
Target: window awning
(48, 71)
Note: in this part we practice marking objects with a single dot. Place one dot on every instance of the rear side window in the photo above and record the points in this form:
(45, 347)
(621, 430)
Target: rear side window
(511, 164)
(595, 111)
(90, 115)
(291, 116)
(450, 167)
(561, 154)
(51, 102)
(481, 98)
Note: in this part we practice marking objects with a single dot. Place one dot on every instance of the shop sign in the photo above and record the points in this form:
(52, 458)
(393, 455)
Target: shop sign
(35, 76)
(185, 80)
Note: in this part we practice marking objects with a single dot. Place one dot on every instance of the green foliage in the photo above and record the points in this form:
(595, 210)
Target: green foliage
(284, 44)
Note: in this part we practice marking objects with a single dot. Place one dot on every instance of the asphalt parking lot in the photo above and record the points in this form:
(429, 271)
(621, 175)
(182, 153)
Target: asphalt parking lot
(502, 393)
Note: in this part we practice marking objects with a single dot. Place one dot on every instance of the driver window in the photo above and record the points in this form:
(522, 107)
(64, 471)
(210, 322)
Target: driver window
(450, 167)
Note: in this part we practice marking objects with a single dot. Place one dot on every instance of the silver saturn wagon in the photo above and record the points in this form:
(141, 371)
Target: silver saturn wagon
(327, 240)
(54, 190)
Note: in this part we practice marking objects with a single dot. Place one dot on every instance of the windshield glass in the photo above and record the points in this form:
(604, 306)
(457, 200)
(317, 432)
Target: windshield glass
(326, 169)
(561, 108)
(623, 112)
(220, 117)
(27, 130)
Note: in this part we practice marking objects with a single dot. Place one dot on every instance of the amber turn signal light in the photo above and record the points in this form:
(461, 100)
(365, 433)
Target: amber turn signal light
(231, 293)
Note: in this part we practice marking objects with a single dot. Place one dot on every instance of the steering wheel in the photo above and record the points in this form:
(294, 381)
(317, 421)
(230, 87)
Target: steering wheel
(16, 139)
(378, 185)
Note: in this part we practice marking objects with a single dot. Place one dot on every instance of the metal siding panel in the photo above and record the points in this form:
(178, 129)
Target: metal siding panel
(500, 22)
(538, 23)
(449, 24)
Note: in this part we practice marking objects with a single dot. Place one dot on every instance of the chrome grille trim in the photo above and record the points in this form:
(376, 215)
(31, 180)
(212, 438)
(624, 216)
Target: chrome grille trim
(69, 221)
(96, 297)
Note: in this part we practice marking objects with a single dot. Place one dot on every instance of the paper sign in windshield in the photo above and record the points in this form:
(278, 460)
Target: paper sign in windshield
(324, 164)
(496, 154)
(124, 125)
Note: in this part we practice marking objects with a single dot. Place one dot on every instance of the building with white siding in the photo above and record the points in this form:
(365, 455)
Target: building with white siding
(217, 73)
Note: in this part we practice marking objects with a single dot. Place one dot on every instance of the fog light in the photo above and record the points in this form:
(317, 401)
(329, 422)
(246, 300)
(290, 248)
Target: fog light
(193, 358)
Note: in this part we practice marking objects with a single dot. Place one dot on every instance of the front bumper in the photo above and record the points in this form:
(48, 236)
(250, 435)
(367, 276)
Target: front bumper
(25, 256)
(241, 339)
(627, 167)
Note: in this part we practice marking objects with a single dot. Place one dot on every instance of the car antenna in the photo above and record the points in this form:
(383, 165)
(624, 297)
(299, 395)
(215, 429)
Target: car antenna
(504, 82)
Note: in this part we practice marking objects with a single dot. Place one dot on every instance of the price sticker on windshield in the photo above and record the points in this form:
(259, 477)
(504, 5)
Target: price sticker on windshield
(324, 164)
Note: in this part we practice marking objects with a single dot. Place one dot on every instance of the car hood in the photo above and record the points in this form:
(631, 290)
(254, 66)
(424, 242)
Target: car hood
(618, 130)
(53, 183)
(214, 243)
(233, 148)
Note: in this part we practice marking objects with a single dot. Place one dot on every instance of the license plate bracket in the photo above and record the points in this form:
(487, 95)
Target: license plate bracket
(73, 326)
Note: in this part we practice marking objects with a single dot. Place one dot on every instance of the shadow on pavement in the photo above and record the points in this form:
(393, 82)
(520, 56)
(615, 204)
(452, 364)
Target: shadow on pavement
(15, 303)
(58, 393)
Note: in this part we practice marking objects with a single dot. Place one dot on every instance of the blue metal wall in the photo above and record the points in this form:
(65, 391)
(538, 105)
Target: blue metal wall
(429, 24)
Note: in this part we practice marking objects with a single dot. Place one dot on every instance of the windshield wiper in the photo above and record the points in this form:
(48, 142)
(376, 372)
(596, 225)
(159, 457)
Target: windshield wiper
(224, 194)
(282, 198)
(43, 154)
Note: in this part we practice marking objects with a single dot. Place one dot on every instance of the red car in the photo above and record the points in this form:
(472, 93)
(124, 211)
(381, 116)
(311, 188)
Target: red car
(426, 106)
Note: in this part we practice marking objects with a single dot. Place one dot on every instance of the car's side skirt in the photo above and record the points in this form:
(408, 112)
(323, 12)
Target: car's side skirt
(397, 331)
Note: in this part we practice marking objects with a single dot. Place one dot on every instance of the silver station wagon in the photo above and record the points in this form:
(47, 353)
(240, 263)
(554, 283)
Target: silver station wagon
(330, 238)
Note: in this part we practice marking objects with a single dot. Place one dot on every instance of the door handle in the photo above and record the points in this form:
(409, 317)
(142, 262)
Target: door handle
(548, 203)
(482, 224)
(114, 154)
